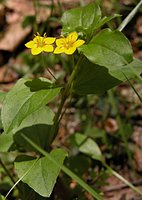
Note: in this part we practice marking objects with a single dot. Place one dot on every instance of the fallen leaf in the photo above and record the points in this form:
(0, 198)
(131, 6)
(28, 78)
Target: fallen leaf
(13, 36)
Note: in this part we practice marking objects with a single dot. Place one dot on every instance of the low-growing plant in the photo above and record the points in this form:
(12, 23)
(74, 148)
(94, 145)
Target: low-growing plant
(103, 58)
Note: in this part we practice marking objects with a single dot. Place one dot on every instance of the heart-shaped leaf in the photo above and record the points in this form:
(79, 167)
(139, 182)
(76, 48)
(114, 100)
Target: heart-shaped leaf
(42, 173)
(94, 79)
(108, 48)
(87, 146)
(24, 99)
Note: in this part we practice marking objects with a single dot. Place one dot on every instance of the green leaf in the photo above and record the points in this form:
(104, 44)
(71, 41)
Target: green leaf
(84, 185)
(85, 19)
(42, 177)
(2, 197)
(93, 79)
(24, 99)
(6, 140)
(39, 134)
(2, 96)
(88, 146)
(108, 48)
(35, 126)
(43, 115)
(105, 20)
(74, 163)
(130, 70)
(81, 19)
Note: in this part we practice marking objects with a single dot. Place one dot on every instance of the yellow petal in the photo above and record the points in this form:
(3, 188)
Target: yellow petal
(59, 50)
(70, 51)
(78, 43)
(60, 42)
(48, 48)
(72, 37)
(49, 40)
(29, 44)
(36, 51)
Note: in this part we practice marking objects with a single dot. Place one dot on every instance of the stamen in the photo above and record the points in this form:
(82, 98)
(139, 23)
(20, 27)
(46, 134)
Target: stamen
(44, 35)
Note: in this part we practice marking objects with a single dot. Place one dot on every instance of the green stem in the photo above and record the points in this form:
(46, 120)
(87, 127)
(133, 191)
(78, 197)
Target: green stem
(140, 98)
(65, 94)
(43, 61)
(67, 171)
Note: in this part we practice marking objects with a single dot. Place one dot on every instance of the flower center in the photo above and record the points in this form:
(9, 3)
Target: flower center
(68, 45)
(40, 42)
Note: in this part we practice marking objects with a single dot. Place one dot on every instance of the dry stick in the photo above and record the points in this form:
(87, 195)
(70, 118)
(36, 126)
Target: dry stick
(122, 179)
(122, 186)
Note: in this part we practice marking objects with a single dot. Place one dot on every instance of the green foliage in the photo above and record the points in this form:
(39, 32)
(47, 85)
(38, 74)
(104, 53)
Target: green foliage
(104, 61)
(86, 19)
(26, 97)
(108, 48)
(93, 79)
(36, 126)
(6, 140)
(1, 197)
(43, 172)
(87, 146)
(75, 164)
(111, 54)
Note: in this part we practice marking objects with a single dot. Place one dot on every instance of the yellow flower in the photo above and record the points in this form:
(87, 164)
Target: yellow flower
(69, 44)
(40, 44)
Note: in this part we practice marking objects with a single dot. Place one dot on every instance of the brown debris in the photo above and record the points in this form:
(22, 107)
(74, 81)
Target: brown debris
(128, 93)
(138, 159)
(7, 75)
(116, 190)
(139, 25)
(14, 35)
(137, 136)
(2, 15)
(111, 125)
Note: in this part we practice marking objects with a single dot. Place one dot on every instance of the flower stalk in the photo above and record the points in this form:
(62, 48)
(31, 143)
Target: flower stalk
(65, 94)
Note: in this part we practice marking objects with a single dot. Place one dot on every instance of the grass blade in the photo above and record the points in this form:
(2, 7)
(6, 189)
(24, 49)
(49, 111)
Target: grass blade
(133, 88)
(123, 180)
(129, 17)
